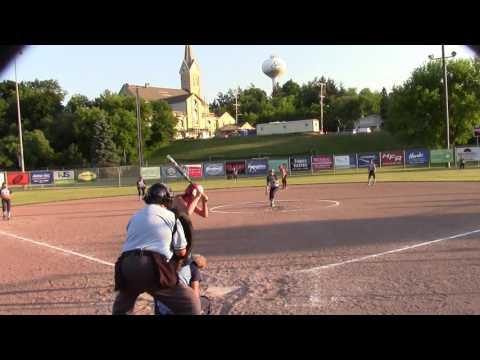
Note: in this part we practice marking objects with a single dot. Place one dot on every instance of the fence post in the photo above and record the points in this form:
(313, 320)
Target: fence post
(404, 160)
(333, 160)
(119, 177)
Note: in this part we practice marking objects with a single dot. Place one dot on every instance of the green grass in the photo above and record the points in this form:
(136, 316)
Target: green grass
(274, 146)
(348, 176)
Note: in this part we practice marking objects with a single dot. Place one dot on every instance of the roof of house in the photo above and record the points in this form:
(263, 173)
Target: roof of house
(151, 93)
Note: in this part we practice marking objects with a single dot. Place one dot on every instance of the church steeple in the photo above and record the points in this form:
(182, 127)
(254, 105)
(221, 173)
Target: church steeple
(190, 72)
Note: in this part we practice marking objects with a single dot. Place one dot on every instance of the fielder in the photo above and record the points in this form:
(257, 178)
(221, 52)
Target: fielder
(141, 186)
(284, 173)
(272, 187)
(372, 169)
(6, 194)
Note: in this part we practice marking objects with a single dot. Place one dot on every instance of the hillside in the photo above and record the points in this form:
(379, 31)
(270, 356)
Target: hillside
(274, 146)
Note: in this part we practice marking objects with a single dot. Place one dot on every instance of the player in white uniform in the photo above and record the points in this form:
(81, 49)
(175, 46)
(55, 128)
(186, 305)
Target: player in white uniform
(6, 194)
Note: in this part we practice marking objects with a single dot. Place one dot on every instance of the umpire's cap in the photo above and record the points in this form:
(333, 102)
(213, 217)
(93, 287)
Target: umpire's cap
(158, 194)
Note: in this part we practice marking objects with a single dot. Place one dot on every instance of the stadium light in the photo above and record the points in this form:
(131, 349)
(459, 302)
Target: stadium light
(445, 82)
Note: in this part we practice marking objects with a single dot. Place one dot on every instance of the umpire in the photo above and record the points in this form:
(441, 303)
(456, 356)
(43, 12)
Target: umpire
(154, 236)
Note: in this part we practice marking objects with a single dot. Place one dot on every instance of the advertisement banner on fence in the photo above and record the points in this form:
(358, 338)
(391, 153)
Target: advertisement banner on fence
(195, 171)
(441, 156)
(275, 164)
(17, 178)
(417, 157)
(239, 165)
(391, 158)
(64, 177)
(41, 177)
(364, 159)
(345, 161)
(468, 153)
(150, 173)
(257, 167)
(300, 163)
(322, 162)
(2, 177)
(170, 173)
(214, 169)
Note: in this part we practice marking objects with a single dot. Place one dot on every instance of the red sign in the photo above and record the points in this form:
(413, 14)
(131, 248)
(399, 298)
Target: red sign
(477, 132)
(322, 162)
(17, 178)
(195, 171)
(390, 158)
(239, 165)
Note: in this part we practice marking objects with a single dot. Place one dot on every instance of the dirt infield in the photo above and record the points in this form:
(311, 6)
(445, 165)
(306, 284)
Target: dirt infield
(395, 248)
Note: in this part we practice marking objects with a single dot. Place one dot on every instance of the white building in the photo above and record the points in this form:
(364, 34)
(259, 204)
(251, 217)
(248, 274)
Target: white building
(288, 127)
(371, 121)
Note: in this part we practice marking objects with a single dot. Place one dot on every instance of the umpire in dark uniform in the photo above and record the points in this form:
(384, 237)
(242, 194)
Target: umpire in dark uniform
(154, 237)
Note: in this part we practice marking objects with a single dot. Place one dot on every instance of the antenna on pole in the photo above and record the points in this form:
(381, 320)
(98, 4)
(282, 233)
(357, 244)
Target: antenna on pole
(322, 96)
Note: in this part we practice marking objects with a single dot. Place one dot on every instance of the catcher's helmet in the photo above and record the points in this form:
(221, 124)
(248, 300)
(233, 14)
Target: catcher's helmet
(158, 194)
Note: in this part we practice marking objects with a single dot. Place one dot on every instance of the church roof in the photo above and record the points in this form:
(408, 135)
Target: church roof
(151, 93)
(188, 58)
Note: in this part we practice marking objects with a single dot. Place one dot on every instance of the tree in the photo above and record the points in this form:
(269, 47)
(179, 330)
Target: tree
(163, 124)
(104, 151)
(9, 149)
(77, 101)
(71, 157)
(36, 150)
(416, 112)
(384, 104)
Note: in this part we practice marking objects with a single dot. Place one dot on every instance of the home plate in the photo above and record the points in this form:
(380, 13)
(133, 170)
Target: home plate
(219, 291)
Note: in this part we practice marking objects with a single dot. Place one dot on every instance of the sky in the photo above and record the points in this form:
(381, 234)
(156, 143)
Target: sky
(91, 69)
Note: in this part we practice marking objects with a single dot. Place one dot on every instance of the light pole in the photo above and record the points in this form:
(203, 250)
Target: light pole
(445, 87)
(322, 87)
(22, 162)
(139, 132)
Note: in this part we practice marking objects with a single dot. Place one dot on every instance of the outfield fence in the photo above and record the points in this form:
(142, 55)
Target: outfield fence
(395, 160)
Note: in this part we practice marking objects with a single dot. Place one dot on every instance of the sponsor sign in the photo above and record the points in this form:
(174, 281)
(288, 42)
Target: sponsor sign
(345, 161)
(322, 162)
(441, 156)
(275, 164)
(87, 176)
(468, 153)
(41, 177)
(214, 169)
(476, 132)
(64, 177)
(417, 157)
(257, 167)
(17, 178)
(300, 163)
(170, 172)
(364, 159)
(195, 171)
(391, 158)
(2, 177)
(239, 165)
(150, 173)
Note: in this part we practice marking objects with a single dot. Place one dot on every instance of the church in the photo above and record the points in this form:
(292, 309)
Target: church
(192, 111)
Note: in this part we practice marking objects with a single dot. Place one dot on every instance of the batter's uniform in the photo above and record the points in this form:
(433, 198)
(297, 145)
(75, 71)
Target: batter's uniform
(151, 230)
(272, 183)
(6, 202)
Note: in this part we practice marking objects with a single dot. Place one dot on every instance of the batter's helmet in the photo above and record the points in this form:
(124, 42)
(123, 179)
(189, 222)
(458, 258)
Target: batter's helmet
(158, 194)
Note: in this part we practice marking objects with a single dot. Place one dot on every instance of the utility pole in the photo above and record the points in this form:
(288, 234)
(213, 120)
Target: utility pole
(236, 107)
(22, 161)
(139, 132)
(322, 87)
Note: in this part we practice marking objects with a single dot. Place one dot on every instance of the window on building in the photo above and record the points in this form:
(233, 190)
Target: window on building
(306, 125)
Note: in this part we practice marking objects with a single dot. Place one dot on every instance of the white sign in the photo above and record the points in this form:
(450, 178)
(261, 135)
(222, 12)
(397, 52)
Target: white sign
(468, 153)
(64, 176)
(150, 173)
(2, 177)
(342, 161)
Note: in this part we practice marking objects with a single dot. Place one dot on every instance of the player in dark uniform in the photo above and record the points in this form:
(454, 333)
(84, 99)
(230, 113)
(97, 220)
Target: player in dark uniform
(371, 172)
(141, 186)
(272, 187)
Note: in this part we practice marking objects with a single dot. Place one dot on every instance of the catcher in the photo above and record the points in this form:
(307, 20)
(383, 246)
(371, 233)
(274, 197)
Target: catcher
(188, 202)
(6, 194)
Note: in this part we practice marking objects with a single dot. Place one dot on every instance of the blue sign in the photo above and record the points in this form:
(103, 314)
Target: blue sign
(300, 163)
(417, 157)
(41, 177)
(257, 167)
(364, 159)
(169, 172)
(214, 169)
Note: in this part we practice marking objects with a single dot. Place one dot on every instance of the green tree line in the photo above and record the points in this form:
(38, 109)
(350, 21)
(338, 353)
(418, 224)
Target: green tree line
(82, 133)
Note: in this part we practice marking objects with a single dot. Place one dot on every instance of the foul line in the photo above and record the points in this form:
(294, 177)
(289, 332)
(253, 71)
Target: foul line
(388, 252)
(91, 258)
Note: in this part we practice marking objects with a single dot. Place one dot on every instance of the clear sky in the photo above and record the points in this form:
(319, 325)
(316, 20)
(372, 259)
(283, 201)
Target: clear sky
(89, 70)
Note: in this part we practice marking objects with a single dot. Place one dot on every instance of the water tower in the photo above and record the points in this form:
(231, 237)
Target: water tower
(274, 67)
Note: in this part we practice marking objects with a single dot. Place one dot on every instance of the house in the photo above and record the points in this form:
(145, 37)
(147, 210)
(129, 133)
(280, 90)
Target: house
(374, 122)
(288, 127)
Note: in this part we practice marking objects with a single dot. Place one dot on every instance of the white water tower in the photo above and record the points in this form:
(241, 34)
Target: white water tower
(274, 67)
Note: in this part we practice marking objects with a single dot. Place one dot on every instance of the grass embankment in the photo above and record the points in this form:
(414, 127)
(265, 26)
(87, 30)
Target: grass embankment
(351, 176)
(274, 146)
